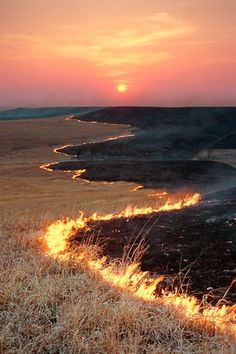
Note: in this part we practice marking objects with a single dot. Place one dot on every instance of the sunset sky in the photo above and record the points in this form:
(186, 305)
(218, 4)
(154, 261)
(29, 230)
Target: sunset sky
(104, 52)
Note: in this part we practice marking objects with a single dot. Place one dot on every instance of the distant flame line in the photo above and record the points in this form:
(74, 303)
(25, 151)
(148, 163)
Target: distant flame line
(73, 117)
(76, 173)
(56, 150)
(140, 284)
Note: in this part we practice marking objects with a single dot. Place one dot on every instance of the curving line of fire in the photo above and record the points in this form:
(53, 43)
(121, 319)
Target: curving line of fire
(210, 319)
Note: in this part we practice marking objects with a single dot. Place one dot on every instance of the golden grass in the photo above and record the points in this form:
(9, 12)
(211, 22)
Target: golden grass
(26, 189)
(49, 306)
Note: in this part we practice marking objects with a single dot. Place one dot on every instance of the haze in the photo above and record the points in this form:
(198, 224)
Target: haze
(70, 52)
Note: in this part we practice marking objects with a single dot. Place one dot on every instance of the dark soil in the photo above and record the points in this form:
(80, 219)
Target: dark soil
(196, 175)
(194, 247)
(163, 133)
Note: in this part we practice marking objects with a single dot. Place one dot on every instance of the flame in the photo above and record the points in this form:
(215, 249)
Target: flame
(119, 137)
(97, 122)
(47, 167)
(59, 232)
(61, 149)
(76, 173)
(131, 278)
(135, 189)
(57, 150)
(70, 117)
(158, 195)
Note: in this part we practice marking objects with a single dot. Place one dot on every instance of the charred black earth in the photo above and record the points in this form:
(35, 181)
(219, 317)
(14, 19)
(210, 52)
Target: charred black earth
(201, 176)
(163, 152)
(194, 248)
(160, 133)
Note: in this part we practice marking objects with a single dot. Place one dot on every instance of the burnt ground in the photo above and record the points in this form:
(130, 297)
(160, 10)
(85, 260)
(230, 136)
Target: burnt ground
(196, 175)
(194, 247)
(161, 153)
(161, 133)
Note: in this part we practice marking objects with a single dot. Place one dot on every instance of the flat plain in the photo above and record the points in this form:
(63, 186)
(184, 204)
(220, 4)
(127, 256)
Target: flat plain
(26, 189)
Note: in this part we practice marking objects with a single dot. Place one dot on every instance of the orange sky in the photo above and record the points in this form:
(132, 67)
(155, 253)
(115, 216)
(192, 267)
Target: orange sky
(76, 52)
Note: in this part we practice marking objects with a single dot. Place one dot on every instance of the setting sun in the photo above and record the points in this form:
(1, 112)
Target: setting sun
(122, 88)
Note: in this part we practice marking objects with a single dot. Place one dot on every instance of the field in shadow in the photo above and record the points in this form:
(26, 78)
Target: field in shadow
(196, 245)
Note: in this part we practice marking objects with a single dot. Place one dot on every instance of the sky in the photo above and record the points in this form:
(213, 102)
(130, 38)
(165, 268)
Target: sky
(126, 52)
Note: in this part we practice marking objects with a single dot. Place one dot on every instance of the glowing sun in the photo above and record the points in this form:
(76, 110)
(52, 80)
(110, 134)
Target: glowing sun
(122, 88)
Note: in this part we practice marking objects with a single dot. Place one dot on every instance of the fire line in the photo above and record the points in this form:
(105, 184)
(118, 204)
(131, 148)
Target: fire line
(140, 284)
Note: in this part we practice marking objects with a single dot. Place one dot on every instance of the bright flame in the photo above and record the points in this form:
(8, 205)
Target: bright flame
(137, 188)
(59, 232)
(76, 173)
(122, 88)
(130, 278)
(157, 195)
(47, 167)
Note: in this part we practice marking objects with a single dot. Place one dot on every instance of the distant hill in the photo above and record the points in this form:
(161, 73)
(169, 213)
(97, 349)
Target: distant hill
(148, 117)
(163, 133)
(28, 113)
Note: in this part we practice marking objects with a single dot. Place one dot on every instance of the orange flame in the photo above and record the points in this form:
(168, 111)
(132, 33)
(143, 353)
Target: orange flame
(158, 195)
(61, 149)
(130, 278)
(137, 188)
(76, 173)
(59, 232)
(47, 167)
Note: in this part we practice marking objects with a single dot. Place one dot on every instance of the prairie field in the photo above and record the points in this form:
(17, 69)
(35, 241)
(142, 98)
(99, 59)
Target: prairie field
(59, 306)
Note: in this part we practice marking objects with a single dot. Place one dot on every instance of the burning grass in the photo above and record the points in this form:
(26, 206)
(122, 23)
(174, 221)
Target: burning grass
(59, 232)
(55, 306)
(69, 305)
(130, 278)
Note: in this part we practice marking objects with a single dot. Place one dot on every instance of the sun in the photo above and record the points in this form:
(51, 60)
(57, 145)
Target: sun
(122, 88)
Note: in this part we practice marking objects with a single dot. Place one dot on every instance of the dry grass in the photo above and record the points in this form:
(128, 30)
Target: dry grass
(49, 306)
(26, 189)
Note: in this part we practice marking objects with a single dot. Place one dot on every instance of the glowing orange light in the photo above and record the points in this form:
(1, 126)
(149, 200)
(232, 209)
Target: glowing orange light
(122, 88)
(60, 231)
(138, 283)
